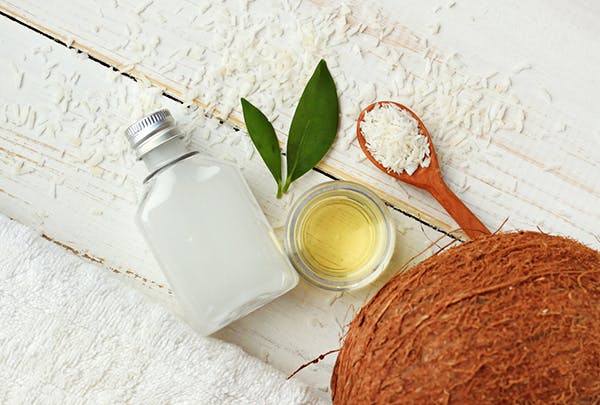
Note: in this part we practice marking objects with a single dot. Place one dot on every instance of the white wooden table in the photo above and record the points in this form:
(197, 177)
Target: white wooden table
(508, 90)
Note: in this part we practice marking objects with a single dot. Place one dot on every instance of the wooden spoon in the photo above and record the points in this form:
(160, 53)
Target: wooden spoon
(428, 178)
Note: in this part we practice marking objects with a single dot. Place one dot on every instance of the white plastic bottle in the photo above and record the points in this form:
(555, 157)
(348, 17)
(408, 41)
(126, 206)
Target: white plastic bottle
(206, 229)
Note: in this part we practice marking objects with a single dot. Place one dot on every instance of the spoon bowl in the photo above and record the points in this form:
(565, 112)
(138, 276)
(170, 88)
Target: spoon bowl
(422, 176)
(427, 178)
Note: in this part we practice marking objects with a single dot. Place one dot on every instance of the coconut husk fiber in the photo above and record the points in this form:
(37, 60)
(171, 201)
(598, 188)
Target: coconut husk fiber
(512, 318)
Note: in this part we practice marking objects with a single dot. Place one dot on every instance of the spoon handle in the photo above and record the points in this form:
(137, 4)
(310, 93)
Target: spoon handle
(463, 216)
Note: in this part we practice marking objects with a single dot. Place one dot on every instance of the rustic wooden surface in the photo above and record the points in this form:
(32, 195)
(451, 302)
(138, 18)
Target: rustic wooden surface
(65, 168)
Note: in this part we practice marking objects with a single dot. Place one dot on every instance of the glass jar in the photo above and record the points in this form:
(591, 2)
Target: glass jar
(340, 235)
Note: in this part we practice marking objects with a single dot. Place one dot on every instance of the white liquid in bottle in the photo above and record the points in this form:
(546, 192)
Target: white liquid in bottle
(206, 229)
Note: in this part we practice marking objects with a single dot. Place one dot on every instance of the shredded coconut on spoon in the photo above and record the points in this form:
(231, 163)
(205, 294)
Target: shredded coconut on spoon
(394, 138)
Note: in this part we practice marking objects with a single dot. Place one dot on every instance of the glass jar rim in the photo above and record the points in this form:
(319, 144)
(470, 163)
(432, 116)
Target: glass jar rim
(312, 195)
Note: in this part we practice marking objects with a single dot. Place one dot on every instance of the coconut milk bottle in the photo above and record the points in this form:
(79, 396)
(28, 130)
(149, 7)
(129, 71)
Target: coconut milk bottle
(206, 229)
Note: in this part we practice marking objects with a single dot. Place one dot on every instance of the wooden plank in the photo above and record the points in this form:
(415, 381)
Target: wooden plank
(535, 177)
(545, 176)
(50, 179)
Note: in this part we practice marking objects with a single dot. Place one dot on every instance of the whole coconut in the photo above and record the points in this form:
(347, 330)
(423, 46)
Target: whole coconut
(505, 318)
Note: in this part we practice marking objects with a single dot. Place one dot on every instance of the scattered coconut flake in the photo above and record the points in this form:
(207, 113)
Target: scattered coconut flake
(444, 96)
(368, 94)
(96, 171)
(503, 84)
(58, 93)
(519, 126)
(434, 29)
(96, 158)
(135, 47)
(154, 41)
(203, 7)
(394, 139)
(76, 142)
(560, 127)
(19, 80)
(547, 95)
(142, 7)
(31, 118)
(521, 67)
(491, 75)
(17, 168)
(514, 186)
(167, 68)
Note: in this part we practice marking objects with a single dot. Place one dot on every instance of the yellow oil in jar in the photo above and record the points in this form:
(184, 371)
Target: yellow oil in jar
(341, 235)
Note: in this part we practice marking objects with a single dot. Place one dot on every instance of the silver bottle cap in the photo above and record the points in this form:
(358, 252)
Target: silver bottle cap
(151, 131)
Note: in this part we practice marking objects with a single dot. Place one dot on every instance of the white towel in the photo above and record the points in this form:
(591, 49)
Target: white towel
(70, 332)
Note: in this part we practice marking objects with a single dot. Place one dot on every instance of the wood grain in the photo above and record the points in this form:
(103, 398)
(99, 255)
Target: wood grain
(484, 181)
(88, 210)
(545, 175)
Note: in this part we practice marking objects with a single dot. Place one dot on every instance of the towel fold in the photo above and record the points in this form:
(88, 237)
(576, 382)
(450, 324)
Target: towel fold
(70, 332)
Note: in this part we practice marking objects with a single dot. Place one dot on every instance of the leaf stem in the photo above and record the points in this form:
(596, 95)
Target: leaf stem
(286, 186)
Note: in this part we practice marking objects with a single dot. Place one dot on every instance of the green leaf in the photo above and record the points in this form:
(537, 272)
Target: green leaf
(314, 125)
(265, 140)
